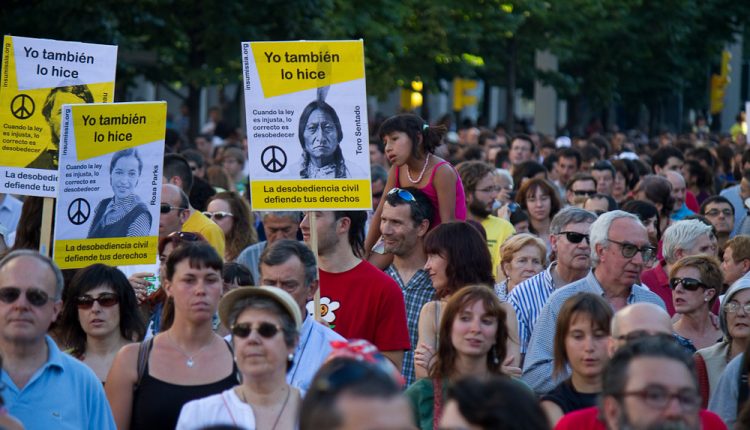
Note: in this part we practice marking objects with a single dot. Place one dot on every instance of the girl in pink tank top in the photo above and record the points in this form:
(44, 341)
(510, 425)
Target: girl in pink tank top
(410, 143)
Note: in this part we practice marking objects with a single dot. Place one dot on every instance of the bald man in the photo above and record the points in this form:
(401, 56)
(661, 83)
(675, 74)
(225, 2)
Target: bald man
(679, 191)
(637, 320)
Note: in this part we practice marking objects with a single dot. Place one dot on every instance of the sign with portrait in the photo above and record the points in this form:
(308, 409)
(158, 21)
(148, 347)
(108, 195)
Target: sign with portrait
(111, 159)
(38, 77)
(306, 111)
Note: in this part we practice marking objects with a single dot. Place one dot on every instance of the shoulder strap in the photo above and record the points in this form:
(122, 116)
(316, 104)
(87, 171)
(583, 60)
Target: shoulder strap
(434, 169)
(144, 349)
(743, 389)
(437, 409)
(437, 322)
(235, 369)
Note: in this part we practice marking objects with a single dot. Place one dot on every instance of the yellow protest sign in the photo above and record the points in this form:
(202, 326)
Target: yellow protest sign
(306, 115)
(109, 198)
(38, 77)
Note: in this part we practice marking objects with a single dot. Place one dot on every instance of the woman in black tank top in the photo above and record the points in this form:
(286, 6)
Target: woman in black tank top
(149, 383)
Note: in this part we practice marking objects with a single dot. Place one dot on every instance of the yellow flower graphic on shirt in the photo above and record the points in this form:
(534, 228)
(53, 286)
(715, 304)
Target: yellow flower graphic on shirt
(327, 308)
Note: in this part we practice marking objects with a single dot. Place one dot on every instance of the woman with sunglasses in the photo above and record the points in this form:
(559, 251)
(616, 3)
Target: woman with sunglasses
(265, 324)
(457, 256)
(232, 213)
(581, 343)
(99, 316)
(151, 381)
(734, 320)
(473, 336)
(695, 282)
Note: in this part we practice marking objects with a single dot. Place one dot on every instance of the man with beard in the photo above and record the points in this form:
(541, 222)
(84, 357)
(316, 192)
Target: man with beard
(569, 238)
(478, 178)
(404, 223)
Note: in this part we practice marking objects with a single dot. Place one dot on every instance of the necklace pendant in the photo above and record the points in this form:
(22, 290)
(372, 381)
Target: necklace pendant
(190, 363)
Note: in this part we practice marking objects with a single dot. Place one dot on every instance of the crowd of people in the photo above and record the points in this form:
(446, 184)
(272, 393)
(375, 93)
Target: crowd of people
(498, 281)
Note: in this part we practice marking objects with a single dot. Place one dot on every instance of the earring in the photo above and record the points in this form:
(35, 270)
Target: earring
(705, 299)
(290, 357)
(494, 357)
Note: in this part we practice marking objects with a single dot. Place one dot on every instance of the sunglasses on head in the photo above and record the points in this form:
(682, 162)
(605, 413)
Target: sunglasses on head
(402, 194)
(574, 237)
(165, 208)
(105, 300)
(689, 284)
(34, 296)
(265, 329)
(218, 215)
(186, 236)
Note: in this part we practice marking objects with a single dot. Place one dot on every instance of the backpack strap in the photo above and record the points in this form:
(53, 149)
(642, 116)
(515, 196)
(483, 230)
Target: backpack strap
(743, 389)
(144, 349)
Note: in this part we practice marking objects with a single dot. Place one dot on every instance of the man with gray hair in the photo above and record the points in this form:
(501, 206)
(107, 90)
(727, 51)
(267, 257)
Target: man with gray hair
(569, 238)
(290, 265)
(277, 226)
(620, 249)
(44, 388)
(681, 239)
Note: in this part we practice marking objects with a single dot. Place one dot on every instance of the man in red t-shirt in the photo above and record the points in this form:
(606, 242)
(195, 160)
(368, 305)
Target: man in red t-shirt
(357, 300)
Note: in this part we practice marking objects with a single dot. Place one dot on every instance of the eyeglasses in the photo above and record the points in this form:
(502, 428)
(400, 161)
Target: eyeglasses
(629, 250)
(266, 330)
(658, 397)
(403, 194)
(733, 307)
(689, 284)
(186, 236)
(716, 212)
(165, 208)
(574, 237)
(587, 193)
(218, 215)
(105, 300)
(490, 190)
(35, 296)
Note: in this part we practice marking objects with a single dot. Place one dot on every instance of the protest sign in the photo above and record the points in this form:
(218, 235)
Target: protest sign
(111, 159)
(306, 111)
(38, 77)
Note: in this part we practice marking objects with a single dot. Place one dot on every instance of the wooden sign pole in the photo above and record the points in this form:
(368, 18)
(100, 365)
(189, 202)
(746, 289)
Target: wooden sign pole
(314, 247)
(45, 238)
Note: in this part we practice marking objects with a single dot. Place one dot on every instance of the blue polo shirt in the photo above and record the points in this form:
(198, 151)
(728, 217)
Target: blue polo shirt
(63, 394)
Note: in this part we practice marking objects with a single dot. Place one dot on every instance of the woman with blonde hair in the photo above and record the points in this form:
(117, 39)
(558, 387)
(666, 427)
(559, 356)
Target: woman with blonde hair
(521, 257)
(231, 212)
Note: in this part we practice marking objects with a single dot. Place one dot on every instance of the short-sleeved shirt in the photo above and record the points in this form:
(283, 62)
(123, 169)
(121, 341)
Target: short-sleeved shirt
(497, 230)
(364, 303)
(312, 350)
(62, 394)
(537, 367)
(198, 223)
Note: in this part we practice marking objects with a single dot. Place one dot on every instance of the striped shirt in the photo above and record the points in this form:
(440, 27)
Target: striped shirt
(417, 292)
(528, 298)
(537, 367)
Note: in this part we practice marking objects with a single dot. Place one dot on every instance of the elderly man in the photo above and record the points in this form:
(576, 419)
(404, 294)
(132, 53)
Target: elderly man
(569, 238)
(679, 188)
(620, 249)
(683, 238)
(290, 265)
(44, 388)
(277, 226)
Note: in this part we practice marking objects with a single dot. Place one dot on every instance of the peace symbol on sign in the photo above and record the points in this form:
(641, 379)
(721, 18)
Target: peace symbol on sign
(273, 159)
(22, 106)
(79, 211)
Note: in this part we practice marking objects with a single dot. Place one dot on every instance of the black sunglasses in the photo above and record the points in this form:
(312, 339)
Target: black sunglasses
(265, 329)
(574, 237)
(689, 284)
(186, 236)
(105, 300)
(35, 296)
(584, 192)
(629, 250)
(403, 194)
(165, 208)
